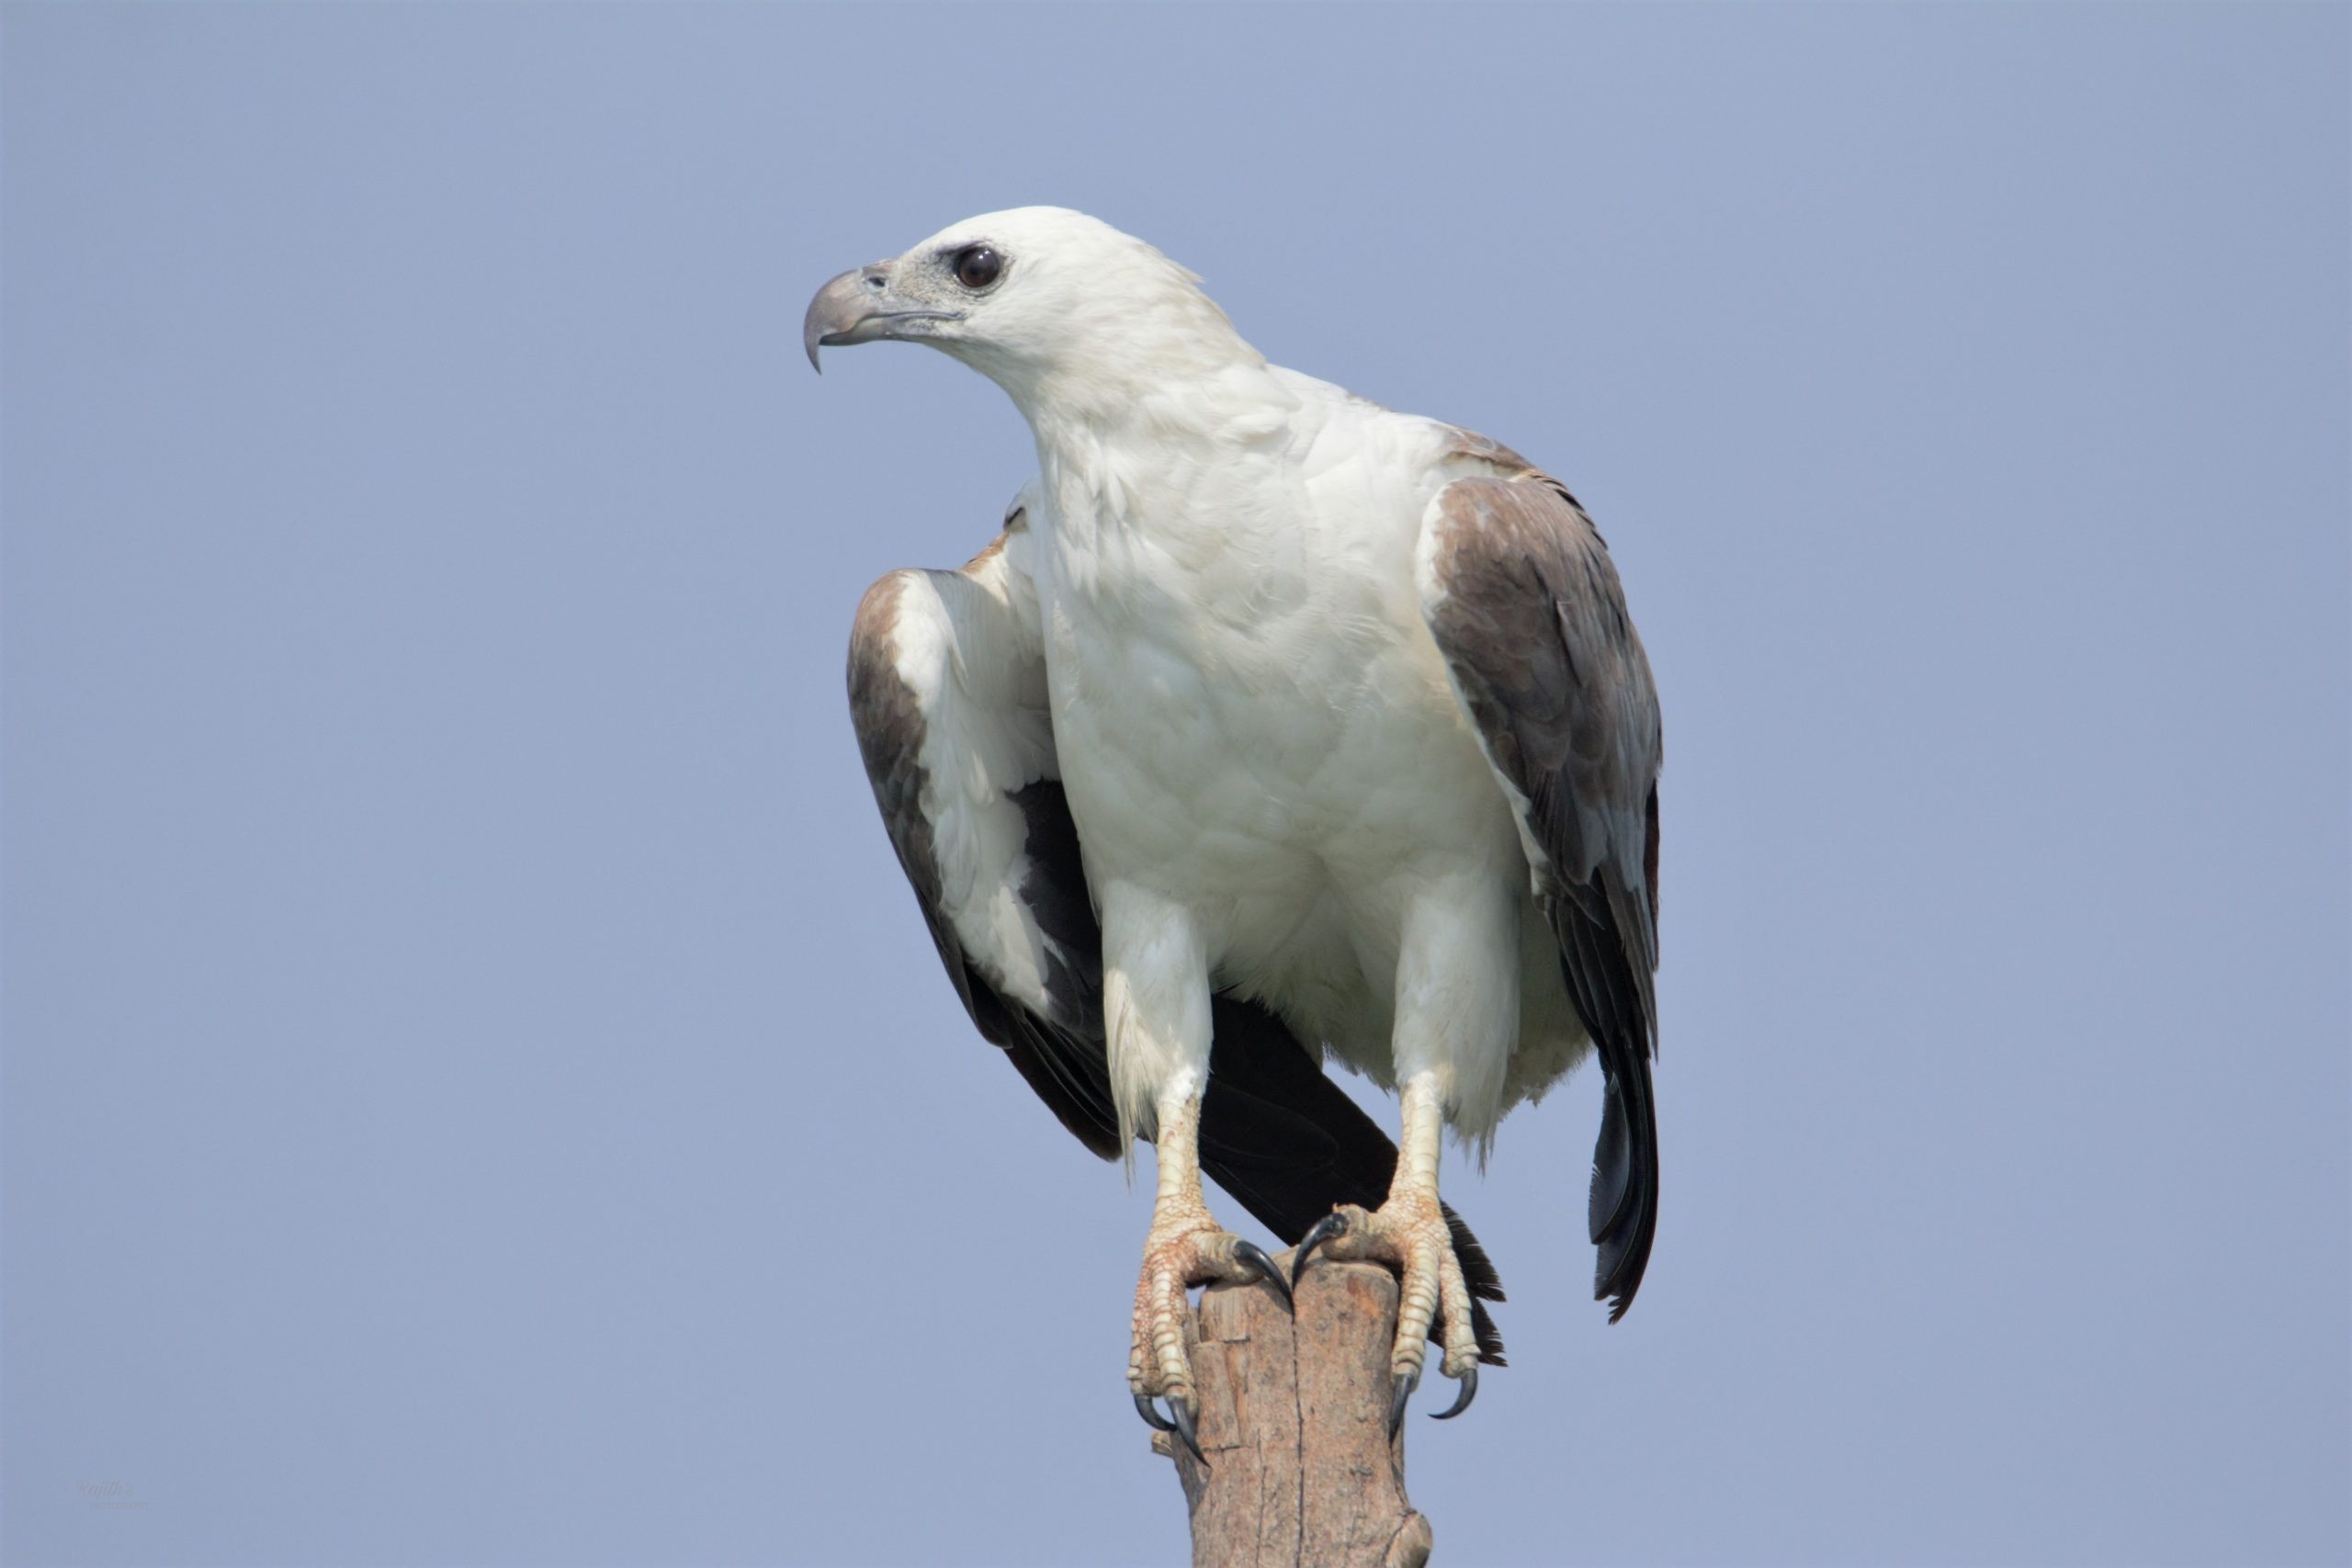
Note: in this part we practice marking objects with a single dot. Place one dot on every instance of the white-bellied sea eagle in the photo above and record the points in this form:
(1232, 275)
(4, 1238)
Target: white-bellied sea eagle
(1274, 724)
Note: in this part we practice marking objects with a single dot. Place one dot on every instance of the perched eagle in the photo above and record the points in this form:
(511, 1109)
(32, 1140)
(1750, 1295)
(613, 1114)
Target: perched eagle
(1274, 724)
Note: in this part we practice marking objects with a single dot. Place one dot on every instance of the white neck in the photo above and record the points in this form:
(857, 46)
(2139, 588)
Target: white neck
(1168, 367)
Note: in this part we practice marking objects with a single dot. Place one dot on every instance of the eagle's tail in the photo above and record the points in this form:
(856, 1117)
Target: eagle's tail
(1609, 997)
(1622, 1210)
(1285, 1140)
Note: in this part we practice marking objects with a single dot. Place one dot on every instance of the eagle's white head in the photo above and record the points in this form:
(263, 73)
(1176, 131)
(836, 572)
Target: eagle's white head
(1066, 314)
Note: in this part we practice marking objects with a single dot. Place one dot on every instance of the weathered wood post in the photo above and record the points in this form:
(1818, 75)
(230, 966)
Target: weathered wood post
(1293, 1418)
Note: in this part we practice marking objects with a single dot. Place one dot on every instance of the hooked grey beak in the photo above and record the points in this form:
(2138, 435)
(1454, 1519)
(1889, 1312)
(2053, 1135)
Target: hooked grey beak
(859, 307)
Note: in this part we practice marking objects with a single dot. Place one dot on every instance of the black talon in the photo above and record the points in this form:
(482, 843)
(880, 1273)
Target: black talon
(1151, 1415)
(1334, 1224)
(1461, 1400)
(1250, 1253)
(1404, 1384)
(1183, 1417)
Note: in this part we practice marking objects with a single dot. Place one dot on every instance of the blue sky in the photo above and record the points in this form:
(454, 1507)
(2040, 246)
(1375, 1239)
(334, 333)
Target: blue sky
(476, 1090)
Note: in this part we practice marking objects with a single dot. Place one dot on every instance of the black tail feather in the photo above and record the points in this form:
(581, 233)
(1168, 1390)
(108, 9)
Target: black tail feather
(1622, 1210)
(1623, 1229)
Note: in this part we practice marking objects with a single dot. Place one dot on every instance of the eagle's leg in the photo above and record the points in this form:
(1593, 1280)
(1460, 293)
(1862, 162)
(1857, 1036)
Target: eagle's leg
(1409, 1232)
(1186, 1247)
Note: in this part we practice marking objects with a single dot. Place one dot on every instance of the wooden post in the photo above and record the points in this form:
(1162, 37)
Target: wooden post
(1293, 1421)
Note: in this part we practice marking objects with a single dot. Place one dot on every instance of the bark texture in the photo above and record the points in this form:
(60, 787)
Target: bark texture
(1292, 1415)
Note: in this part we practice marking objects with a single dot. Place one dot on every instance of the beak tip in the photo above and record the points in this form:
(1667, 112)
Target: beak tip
(838, 306)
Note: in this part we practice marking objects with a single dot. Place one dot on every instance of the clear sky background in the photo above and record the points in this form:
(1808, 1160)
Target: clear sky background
(476, 1087)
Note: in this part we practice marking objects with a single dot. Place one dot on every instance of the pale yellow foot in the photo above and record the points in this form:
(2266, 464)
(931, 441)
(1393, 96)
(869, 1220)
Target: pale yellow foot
(1408, 1232)
(1186, 1247)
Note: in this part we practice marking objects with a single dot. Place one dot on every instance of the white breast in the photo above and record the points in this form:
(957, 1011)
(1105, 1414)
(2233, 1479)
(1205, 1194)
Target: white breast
(1251, 714)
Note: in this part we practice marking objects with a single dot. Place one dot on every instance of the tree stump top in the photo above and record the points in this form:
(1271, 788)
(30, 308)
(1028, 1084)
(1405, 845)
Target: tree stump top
(1293, 1417)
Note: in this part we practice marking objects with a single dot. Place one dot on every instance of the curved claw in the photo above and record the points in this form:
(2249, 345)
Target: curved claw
(1250, 1253)
(1182, 1413)
(1332, 1224)
(1461, 1400)
(1405, 1383)
(1151, 1415)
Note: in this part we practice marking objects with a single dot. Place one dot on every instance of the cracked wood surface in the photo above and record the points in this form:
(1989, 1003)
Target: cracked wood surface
(1291, 1419)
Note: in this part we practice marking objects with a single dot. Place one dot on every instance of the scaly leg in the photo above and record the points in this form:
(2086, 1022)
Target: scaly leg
(1409, 1232)
(1185, 1248)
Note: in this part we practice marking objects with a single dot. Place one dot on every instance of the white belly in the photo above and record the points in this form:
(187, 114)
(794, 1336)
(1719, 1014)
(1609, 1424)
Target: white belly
(1267, 737)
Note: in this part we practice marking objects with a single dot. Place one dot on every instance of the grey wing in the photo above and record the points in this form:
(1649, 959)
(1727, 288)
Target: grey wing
(1519, 590)
(947, 690)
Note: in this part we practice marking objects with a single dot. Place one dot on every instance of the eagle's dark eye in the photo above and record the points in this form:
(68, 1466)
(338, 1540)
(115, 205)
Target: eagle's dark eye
(977, 267)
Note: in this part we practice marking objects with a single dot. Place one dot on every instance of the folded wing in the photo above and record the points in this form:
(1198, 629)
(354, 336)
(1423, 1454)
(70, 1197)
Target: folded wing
(947, 693)
(1518, 589)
